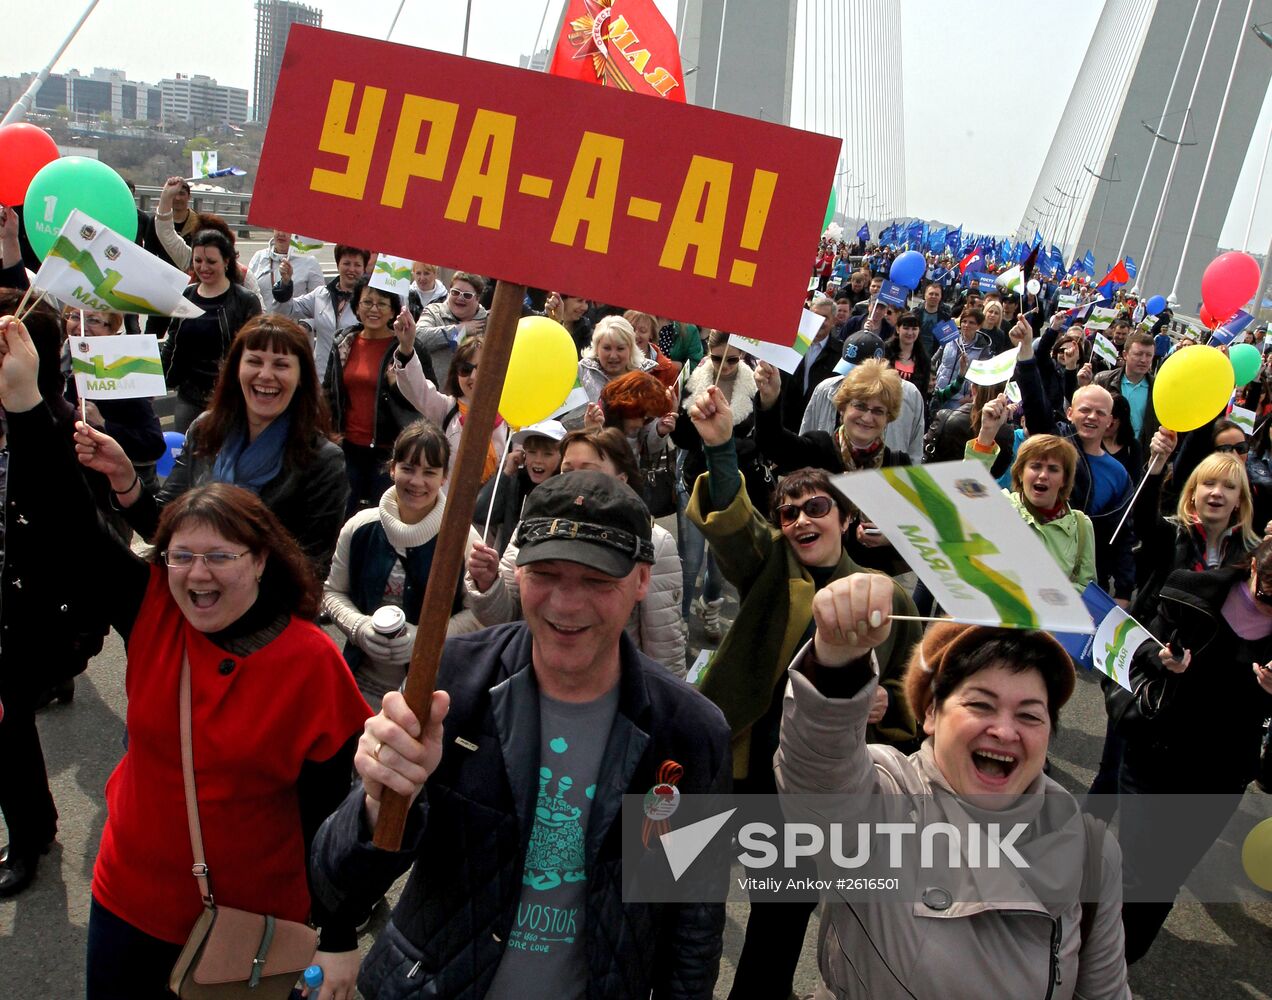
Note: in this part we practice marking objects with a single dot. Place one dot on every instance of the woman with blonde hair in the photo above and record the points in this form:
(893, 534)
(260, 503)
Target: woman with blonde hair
(1212, 526)
(613, 353)
(868, 399)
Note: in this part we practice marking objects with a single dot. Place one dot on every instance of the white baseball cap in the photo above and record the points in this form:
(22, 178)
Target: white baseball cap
(553, 429)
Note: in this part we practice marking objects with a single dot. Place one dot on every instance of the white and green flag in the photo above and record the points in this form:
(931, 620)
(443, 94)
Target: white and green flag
(1103, 349)
(993, 371)
(1066, 300)
(785, 358)
(1011, 280)
(203, 162)
(92, 267)
(1111, 642)
(1013, 393)
(391, 274)
(1101, 318)
(125, 366)
(954, 527)
(1243, 418)
(303, 244)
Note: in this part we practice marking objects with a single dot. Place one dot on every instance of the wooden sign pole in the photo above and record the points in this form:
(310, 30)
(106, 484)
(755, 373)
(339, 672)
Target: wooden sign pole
(448, 559)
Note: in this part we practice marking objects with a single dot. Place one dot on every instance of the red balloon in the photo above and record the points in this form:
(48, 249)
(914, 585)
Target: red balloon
(1229, 282)
(24, 149)
(1207, 320)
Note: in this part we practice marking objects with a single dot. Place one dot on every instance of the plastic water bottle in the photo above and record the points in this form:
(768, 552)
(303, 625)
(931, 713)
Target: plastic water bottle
(313, 978)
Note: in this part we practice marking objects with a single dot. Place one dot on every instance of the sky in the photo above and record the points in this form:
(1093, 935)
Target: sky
(973, 145)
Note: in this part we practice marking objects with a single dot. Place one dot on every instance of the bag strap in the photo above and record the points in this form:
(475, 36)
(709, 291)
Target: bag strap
(200, 869)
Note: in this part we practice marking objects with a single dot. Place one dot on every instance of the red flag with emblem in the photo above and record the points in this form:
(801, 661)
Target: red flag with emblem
(626, 44)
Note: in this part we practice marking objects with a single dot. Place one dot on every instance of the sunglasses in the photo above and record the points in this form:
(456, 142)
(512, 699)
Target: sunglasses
(464, 296)
(727, 362)
(1241, 448)
(814, 507)
(464, 369)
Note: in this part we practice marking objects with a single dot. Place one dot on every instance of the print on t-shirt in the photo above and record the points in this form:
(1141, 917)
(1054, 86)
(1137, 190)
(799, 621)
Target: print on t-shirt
(546, 941)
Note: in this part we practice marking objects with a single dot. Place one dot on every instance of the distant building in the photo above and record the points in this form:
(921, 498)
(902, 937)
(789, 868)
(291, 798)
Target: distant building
(274, 19)
(200, 99)
(537, 62)
(106, 92)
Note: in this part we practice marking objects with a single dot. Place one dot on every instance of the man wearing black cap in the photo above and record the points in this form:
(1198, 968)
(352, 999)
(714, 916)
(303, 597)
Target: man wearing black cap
(515, 838)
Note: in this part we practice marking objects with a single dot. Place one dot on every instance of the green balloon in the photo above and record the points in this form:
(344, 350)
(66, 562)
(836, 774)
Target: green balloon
(830, 209)
(1246, 361)
(76, 182)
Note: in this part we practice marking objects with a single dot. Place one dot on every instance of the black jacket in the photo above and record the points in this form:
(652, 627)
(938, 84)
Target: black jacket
(192, 366)
(310, 501)
(794, 396)
(947, 436)
(48, 628)
(1168, 548)
(468, 832)
(1206, 736)
(817, 449)
(393, 412)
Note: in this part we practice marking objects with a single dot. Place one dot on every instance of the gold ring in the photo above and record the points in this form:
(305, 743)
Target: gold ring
(376, 752)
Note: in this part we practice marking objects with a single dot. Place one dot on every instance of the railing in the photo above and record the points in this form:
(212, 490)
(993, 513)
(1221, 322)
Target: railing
(231, 206)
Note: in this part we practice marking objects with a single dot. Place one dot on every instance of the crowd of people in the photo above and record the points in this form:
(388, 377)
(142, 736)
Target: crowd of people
(321, 418)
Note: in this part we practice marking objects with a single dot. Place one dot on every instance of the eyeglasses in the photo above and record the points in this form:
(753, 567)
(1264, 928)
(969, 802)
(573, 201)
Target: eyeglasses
(91, 320)
(813, 507)
(464, 369)
(465, 296)
(181, 559)
(727, 362)
(875, 411)
(1240, 448)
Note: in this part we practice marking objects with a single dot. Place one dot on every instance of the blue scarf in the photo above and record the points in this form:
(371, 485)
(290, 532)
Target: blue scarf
(252, 465)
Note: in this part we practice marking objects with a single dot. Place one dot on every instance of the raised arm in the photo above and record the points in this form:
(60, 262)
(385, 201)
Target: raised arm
(173, 245)
(832, 691)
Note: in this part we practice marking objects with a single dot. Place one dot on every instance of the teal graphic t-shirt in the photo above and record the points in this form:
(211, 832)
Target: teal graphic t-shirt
(546, 943)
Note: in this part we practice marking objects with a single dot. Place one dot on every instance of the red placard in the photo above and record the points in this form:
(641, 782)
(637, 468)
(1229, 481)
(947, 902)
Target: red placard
(706, 217)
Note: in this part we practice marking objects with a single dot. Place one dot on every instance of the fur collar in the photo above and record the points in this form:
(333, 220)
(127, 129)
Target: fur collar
(741, 390)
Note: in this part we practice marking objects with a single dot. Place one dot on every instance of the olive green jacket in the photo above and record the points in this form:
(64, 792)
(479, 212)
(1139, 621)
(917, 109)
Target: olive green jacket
(776, 606)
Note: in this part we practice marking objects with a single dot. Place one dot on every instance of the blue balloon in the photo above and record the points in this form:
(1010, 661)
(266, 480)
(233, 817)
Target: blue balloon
(908, 269)
(175, 443)
(1155, 305)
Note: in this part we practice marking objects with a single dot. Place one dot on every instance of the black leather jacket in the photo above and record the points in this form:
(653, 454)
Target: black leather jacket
(467, 836)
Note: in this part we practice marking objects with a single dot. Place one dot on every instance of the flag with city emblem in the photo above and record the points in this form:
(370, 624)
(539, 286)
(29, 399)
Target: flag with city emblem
(92, 267)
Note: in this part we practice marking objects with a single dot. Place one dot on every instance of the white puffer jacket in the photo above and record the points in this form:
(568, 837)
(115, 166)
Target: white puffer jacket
(656, 625)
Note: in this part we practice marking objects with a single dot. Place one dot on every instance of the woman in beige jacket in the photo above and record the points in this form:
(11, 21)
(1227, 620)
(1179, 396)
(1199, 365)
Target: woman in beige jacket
(988, 700)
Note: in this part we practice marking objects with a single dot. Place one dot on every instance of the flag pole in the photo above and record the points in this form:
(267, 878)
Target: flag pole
(83, 402)
(485, 534)
(452, 539)
(1154, 467)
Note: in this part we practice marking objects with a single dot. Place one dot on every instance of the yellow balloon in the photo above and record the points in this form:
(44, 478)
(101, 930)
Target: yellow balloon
(1192, 387)
(541, 372)
(1256, 855)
